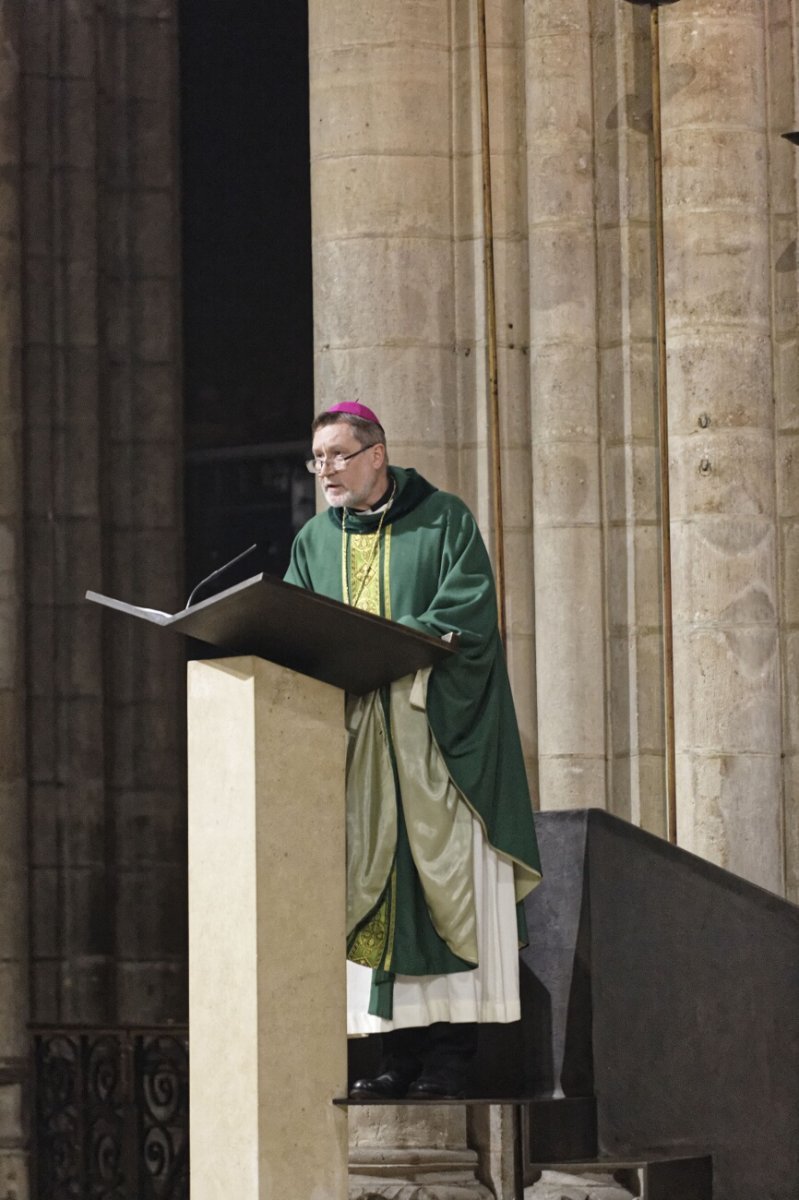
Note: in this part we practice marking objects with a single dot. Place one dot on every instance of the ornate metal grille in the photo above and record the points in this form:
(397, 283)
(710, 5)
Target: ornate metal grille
(111, 1114)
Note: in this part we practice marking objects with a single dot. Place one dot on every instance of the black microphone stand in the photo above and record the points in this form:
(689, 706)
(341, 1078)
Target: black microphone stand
(219, 571)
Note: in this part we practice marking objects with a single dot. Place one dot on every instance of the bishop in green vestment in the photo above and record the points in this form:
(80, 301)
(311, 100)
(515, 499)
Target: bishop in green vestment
(435, 761)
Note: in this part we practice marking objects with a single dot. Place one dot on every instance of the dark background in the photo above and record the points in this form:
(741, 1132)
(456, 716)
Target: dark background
(248, 365)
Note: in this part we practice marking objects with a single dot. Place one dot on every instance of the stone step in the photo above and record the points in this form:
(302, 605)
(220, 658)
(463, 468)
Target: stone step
(556, 1154)
(667, 1178)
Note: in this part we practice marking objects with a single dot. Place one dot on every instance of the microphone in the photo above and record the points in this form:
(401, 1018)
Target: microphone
(219, 571)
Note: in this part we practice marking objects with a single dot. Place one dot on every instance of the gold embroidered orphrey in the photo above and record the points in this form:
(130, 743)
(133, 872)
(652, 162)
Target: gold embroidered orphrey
(362, 562)
(358, 575)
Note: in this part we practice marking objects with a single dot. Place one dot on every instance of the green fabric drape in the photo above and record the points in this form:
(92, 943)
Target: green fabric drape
(455, 749)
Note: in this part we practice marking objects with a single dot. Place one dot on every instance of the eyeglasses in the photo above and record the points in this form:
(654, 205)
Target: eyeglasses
(339, 461)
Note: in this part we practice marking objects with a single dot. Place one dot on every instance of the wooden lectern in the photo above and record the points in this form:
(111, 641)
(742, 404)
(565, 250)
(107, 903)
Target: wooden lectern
(267, 904)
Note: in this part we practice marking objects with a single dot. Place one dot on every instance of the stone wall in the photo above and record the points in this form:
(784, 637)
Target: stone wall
(101, 385)
(13, 790)
(91, 803)
(401, 324)
(400, 321)
(90, 427)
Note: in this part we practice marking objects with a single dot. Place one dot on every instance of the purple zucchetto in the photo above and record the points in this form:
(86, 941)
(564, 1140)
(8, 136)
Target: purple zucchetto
(355, 410)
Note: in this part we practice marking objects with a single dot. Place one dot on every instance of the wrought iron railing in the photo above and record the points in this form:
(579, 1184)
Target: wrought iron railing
(111, 1114)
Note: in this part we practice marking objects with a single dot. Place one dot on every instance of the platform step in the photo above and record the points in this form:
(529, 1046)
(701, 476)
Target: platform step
(666, 1178)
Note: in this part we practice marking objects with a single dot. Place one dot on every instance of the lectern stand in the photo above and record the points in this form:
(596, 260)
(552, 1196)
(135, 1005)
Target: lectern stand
(267, 898)
(266, 930)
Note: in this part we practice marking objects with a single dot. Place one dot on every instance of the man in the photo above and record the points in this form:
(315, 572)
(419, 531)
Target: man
(441, 847)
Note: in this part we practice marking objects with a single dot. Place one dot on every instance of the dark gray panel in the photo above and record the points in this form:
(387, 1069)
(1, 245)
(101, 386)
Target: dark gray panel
(556, 965)
(671, 987)
(696, 1007)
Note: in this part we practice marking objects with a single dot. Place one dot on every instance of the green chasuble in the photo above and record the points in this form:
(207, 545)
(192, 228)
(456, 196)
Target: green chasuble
(426, 754)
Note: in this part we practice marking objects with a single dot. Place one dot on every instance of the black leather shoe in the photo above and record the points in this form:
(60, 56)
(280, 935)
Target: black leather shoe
(438, 1083)
(390, 1085)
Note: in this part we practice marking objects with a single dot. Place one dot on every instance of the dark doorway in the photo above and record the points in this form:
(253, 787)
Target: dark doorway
(246, 280)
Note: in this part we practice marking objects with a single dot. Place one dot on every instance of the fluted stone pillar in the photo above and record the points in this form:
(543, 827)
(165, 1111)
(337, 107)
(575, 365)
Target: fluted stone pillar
(506, 88)
(721, 446)
(627, 307)
(783, 109)
(567, 484)
(14, 1011)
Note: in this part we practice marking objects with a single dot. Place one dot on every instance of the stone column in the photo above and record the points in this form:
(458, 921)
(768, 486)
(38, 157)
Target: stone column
(384, 308)
(71, 936)
(14, 998)
(398, 313)
(721, 449)
(567, 488)
(399, 298)
(103, 408)
(142, 505)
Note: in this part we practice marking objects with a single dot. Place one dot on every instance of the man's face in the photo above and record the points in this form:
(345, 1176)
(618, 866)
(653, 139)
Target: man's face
(363, 479)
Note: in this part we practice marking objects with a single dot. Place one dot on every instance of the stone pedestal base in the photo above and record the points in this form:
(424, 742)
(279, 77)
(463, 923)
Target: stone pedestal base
(409, 1153)
(492, 1133)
